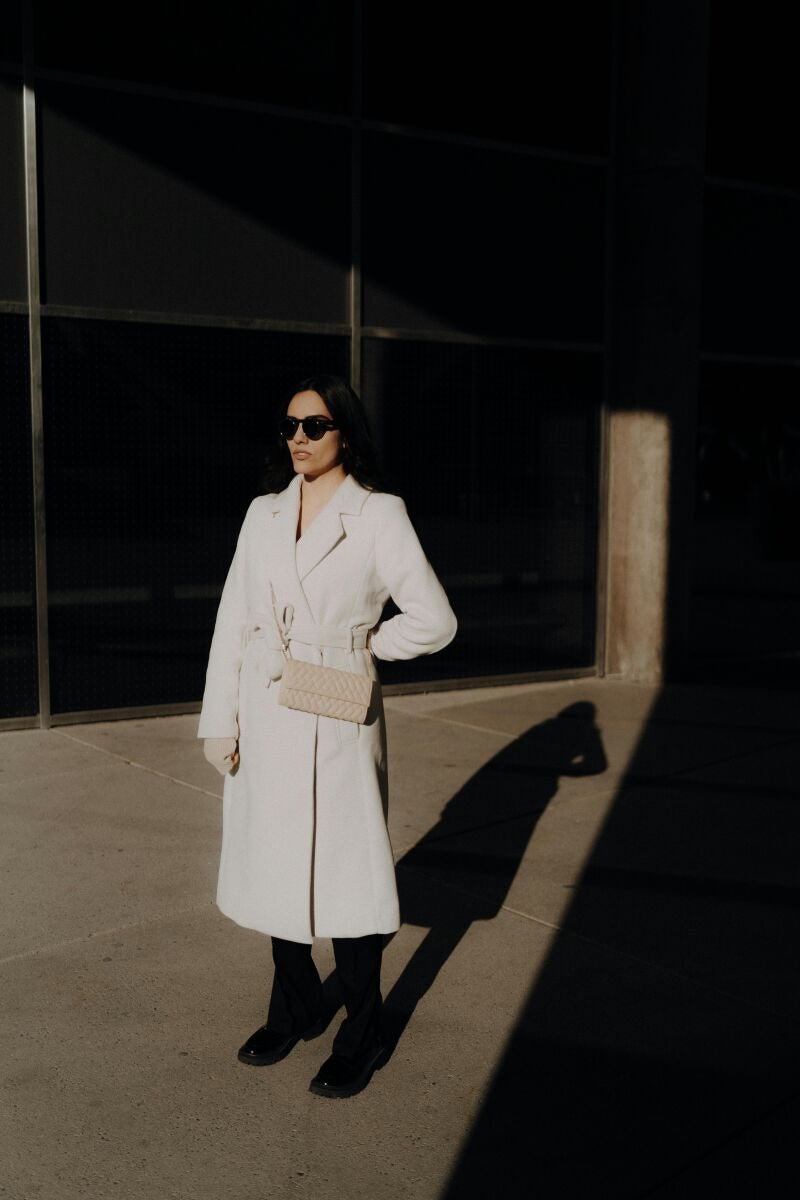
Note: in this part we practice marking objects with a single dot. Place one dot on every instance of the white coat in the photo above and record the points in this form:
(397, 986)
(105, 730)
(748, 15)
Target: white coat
(305, 848)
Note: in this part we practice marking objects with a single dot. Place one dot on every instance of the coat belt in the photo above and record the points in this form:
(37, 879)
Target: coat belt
(343, 638)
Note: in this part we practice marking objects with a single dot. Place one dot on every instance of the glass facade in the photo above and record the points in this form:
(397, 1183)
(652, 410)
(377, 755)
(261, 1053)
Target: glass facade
(497, 451)
(278, 51)
(746, 552)
(533, 84)
(152, 437)
(13, 284)
(495, 243)
(157, 205)
(751, 265)
(745, 546)
(19, 676)
(219, 214)
(752, 95)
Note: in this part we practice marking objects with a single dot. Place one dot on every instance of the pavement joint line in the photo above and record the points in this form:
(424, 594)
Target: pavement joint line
(749, 753)
(606, 947)
(131, 762)
(431, 716)
(53, 947)
(423, 837)
(49, 775)
(790, 733)
(641, 722)
(561, 929)
(728, 1139)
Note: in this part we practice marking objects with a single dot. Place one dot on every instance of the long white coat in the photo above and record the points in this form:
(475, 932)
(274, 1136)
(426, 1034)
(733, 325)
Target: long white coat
(305, 848)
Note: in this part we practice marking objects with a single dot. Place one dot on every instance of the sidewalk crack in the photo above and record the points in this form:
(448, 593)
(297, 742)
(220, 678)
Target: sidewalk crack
(131, 762)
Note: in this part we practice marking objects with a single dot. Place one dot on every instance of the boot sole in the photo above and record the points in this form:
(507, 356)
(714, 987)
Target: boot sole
(358, 1084)
(267, 1060)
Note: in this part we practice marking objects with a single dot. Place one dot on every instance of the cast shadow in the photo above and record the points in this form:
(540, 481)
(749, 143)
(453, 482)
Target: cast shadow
(656, 1053)
(462, 869)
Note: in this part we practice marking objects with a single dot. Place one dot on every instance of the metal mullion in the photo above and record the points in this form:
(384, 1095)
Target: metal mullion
(476, 432)
(412, 687)
(477, 339)
(7, 724)
(752, 185)
(748, 360)
(263, 108)
(471, 141)
(186, 96)
(466, 682)
(35, 367)
(127, 713)
(205, 320)
(602, 569)
(603, 490)
(356, 152)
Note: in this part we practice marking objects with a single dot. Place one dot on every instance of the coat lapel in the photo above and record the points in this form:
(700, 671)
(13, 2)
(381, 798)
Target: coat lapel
(327, 529)
(284, 510)
(294, 560)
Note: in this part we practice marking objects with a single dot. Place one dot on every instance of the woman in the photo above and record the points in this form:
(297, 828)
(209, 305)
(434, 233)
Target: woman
(305, 848)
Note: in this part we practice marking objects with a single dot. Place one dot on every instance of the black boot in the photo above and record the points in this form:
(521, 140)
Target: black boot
(357, 1048)
(339, 1077)
(265, 1046)
(296, 1004)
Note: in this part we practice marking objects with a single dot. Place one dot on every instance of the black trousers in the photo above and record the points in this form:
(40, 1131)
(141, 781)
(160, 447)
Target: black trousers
(297, 999)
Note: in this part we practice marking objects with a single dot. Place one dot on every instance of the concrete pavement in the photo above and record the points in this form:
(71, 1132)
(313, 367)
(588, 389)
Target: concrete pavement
(593, 994)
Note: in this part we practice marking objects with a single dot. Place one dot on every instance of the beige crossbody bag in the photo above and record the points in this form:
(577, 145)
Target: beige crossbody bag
(322, 690)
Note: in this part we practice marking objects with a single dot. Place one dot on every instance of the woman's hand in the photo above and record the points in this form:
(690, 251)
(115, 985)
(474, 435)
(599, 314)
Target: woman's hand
(222, 753)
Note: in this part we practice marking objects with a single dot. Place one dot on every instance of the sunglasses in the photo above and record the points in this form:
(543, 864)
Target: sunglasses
(313, 427)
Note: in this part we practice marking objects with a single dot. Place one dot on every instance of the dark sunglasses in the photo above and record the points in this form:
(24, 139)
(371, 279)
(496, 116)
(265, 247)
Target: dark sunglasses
(313, 427)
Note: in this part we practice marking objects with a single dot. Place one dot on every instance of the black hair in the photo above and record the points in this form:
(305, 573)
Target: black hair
(359, 457)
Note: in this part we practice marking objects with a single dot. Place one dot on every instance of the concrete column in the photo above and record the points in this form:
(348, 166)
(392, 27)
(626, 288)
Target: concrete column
(658, 165)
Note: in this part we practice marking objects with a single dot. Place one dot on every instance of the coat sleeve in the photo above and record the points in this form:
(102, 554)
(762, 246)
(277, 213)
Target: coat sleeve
(426, 622)
(219, 714)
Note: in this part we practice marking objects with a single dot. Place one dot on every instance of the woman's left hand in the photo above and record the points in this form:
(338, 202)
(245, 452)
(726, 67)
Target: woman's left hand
(222, 753)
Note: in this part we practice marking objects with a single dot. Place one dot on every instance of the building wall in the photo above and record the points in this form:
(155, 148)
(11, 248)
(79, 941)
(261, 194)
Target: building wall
(404, 197)
(745, 543)
(559, 269)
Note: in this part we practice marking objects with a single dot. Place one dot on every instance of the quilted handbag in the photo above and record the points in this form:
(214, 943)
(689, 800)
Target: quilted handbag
(325, 691)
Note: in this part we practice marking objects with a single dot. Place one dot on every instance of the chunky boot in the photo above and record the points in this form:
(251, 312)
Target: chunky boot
(340, 1077)
(265, 1046)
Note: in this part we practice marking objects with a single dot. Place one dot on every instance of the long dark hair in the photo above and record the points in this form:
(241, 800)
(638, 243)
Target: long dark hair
(359, 457)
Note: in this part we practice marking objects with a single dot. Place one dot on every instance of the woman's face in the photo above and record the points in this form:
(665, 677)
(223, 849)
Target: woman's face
(313, 458)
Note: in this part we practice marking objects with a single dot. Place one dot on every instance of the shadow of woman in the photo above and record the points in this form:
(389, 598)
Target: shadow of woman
(462, 869)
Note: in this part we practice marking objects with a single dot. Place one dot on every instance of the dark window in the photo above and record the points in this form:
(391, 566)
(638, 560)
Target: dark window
(165, 206)
(18, 677)
(752, 92)
(282, 52)
(536, 74)
(11, 32)
(750, 272)
(154, 441)
(13, 272)
(746, 571)
(495, 451)
(482, 241)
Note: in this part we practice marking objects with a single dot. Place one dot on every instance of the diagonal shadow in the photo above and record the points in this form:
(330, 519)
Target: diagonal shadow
(474, 851)
(657, 1051)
